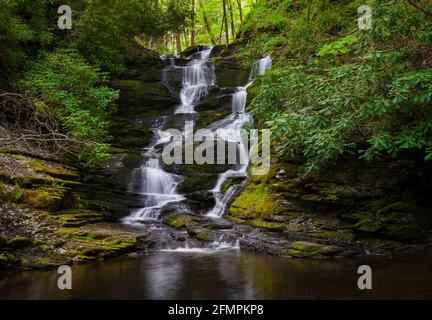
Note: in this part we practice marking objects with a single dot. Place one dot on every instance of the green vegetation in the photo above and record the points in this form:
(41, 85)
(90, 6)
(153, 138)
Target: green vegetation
(255, 201)
(337, 89)
(65, 72)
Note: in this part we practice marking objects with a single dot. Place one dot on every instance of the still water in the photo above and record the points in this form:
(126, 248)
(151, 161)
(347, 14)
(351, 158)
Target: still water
(226, 275)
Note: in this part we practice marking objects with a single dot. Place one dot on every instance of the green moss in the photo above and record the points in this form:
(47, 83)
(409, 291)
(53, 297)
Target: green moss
(43, 197)
(401, 218)
(39, 166)
(44, 262)
(271, 226)
(255, 201)
(86, 244)
(234, 219)
(76, 218)
(180, 221)
(18, 193)
(83, 258)
(307, 249)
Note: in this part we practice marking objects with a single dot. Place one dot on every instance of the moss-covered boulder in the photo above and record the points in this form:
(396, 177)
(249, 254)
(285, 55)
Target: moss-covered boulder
(254, 202)
(308, 249)
(180, 221)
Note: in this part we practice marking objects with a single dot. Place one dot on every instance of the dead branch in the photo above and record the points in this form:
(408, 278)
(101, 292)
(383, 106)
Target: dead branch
(25, 127)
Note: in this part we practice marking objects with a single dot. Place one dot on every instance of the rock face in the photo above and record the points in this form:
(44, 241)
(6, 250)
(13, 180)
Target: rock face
(48, 218)
(380, 207)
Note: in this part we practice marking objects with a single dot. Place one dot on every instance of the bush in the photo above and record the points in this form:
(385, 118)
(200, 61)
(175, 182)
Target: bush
(366, 93)
(77, 93)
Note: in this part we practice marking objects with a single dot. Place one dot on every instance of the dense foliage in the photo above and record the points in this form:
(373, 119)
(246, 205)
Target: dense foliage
(63, 81)
(337, 89)
(66, 70)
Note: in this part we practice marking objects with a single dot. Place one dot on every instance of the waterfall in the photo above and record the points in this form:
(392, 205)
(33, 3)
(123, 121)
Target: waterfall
(239, 100)
(264, 64)
(229, 129)
(157, 187)
(198, 76)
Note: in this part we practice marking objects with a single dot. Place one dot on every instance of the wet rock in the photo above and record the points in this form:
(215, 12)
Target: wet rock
(281, 174)
(230, 73)
(191, 50)
(200, 233)
(180, 221)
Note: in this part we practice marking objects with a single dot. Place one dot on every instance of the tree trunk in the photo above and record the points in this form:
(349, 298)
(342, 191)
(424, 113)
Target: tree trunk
(186, 38)
(178, 43)
(230, 8)
(239, 4)
(193, 24)
(221, 29)
(226, 22)
(206, 23)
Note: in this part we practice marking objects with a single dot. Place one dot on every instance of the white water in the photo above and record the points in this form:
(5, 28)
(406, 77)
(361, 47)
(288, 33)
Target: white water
(213, 247)
(263, 65)
(151, 182)
(198, 76)
(230, 130)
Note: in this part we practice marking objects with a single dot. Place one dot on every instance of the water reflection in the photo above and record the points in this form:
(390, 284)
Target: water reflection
(225, 275)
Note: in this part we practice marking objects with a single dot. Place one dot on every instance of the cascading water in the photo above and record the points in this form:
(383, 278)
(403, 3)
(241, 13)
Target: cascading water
(229, 130)
(262, 65)
(158, 187)
(198, 76)
(150, 181)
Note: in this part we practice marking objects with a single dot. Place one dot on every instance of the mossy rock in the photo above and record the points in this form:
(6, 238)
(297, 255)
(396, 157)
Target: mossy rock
(232, 182)
(76, 218)
(270, 226)
(180, 221)
(143, 94)
(43, 197)
(254, 202)
(309, 249)
(401, 218)
(200, 234)
(53, 170)
(88, 244)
